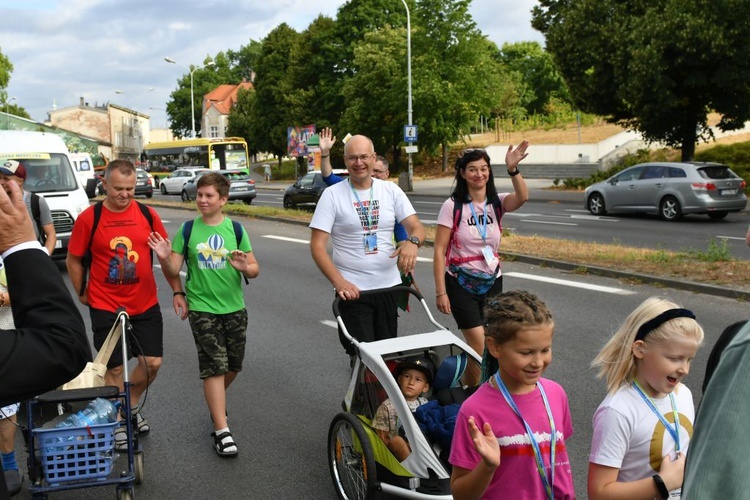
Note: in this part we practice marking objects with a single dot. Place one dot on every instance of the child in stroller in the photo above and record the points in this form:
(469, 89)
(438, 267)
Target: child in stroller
(414, 376)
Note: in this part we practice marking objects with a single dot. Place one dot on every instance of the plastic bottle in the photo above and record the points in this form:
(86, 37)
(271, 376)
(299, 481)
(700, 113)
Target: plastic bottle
(99, 411)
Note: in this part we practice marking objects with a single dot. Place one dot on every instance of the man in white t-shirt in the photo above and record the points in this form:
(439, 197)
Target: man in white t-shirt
(358, 215)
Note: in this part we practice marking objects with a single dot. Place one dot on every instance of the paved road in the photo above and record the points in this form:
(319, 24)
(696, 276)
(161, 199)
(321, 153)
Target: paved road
(569, 220)
(296, 372)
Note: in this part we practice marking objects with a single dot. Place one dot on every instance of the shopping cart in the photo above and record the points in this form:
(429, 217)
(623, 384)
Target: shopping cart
(81, 457)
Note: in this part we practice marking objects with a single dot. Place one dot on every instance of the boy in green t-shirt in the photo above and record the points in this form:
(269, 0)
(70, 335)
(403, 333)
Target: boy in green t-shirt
(217, 313)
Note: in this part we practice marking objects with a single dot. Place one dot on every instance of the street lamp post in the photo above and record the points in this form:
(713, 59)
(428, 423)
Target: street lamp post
(408, 78)
(138, 136)
(192, 95)
(7, 111)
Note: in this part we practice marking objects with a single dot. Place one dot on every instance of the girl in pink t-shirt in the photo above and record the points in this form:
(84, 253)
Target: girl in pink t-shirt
(509, 440)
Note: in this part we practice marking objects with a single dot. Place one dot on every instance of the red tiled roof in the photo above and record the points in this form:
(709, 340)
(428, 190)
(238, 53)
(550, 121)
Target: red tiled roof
(223, 97)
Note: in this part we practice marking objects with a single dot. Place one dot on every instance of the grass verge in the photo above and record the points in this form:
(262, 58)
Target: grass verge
(713, 266)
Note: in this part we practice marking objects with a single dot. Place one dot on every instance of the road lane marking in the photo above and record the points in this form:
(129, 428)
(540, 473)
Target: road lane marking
(574, 284)
(182, 273)
(594, 217)
(731, 238)
(307, 242)
(284, 238)
(550, 222)
(330, 323)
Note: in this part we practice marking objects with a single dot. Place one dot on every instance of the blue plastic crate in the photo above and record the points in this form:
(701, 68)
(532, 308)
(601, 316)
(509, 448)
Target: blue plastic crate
(77, 453)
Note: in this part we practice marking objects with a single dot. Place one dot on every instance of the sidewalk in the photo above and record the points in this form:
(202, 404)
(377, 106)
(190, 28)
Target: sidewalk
(442, 187)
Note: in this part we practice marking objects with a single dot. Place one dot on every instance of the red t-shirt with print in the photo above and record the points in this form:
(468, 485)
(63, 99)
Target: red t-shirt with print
(121, 269)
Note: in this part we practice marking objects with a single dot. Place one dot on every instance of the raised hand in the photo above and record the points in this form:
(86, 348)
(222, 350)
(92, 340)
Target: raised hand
(162, 247)
(15, 223)
(327, 140)
(485, 443)
(514, 156)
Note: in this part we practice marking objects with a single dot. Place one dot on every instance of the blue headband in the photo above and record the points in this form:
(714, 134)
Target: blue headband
(656, 322)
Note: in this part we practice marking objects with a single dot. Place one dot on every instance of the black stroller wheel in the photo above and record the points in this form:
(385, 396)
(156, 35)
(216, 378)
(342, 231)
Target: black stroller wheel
(351, 459)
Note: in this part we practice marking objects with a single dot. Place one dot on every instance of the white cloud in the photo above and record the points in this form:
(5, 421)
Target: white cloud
(64, 50)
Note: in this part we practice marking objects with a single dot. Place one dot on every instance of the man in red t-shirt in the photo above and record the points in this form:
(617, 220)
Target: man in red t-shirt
(121, 275)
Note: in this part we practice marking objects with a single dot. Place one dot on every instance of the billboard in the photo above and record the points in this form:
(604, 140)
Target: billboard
(297, 139)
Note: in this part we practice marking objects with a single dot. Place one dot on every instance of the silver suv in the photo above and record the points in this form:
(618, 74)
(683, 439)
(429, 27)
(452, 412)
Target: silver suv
(670, 189)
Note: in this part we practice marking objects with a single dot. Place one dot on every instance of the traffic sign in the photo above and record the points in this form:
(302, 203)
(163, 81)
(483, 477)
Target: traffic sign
(410, 133)
(412, 149)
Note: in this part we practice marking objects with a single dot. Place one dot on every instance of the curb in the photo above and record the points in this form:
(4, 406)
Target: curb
(583, 269)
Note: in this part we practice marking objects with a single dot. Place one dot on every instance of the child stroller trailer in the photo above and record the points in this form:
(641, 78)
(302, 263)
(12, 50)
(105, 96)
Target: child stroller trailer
(360, 463)
(81, 457)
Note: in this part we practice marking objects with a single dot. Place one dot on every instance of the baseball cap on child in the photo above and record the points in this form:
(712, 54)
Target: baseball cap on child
(12, 167)
(420, 363)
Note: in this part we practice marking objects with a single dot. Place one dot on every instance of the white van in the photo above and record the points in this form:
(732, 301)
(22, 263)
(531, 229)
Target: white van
(84, 167)
(49, 173)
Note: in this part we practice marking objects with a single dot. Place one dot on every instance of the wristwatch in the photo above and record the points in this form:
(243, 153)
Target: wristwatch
(661, 487)
(514, 173)
(414, 240)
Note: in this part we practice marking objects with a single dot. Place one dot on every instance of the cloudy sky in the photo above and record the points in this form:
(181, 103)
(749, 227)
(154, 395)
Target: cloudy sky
(62, 50)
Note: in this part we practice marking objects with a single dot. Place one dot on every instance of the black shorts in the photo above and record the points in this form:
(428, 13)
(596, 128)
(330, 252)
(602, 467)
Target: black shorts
(467, 307)
(372, 317)
(146, 335)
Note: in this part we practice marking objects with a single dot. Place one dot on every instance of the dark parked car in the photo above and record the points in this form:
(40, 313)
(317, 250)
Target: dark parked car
(671, 190)
(144, 184)
(241, 186)
(307, 189)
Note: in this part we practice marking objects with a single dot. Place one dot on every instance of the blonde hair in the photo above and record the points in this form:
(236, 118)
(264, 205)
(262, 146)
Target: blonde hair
(505, 315)
(616, 362)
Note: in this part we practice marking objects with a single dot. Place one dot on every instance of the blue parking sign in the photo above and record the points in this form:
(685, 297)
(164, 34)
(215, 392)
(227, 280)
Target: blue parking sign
(410, 133)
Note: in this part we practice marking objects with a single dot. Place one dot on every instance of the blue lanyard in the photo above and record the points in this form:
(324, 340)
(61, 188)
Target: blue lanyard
(483, 228)
(673, 431)
(367, 210)
(547, 481)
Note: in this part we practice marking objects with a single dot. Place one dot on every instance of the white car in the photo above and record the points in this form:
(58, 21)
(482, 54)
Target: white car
(177, 179)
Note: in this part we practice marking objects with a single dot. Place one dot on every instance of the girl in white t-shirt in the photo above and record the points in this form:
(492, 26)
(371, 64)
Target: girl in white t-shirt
(643, 426)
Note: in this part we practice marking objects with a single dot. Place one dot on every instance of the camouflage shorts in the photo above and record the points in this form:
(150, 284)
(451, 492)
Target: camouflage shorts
(220, 339)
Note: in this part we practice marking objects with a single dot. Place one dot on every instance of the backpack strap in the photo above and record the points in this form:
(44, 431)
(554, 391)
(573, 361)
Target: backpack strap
(457, 209)
(238, 236)
(187, 229)
(86, 259)
(36, 214)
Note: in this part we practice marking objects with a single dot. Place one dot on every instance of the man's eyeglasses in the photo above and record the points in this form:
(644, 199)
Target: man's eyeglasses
(362, 158)
(471, 150)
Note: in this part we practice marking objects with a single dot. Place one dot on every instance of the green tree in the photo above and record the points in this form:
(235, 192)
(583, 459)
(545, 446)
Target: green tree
(16, 110)
(317, 97)
(657, 67)
(241, 122)
(456, 75)
(375, 95)
(6, 68)
(271, 112)
(541, 82)
(205, 79)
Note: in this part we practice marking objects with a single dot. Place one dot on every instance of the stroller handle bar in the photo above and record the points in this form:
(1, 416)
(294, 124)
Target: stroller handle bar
(393, 289)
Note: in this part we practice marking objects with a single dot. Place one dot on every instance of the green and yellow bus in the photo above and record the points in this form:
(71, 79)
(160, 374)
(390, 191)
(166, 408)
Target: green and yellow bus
(213, 153)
